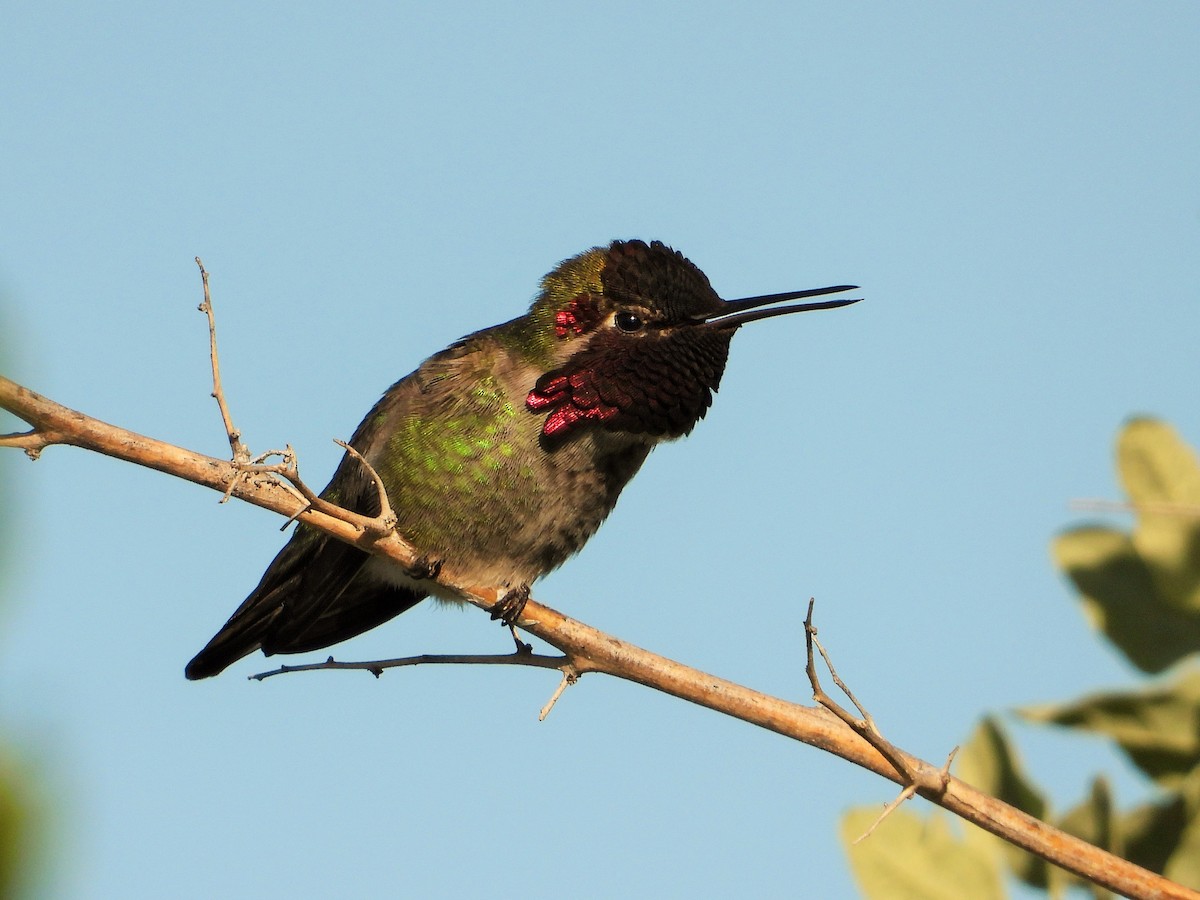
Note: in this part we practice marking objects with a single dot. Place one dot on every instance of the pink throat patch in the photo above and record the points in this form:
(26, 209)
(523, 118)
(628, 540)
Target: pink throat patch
(581, 314)
(573, 399)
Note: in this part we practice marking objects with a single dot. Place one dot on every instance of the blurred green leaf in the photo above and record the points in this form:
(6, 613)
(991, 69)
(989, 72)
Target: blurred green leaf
(1165, 836)
(1093, 820)
(1158, 727)
(1158, 469)
(1143, 590)
(14, 828)
(921, 859)
(21, 816)
(1122, 599)
(1156, 465)
(988, 762)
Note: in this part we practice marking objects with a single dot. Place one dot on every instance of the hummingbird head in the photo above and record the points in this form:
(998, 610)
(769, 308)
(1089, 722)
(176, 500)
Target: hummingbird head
(638, 339)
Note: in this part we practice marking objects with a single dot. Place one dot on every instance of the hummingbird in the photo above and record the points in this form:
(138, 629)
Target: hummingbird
(502, 454)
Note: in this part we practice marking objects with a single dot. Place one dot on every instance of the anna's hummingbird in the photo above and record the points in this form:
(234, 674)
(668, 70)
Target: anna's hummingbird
(502, 454)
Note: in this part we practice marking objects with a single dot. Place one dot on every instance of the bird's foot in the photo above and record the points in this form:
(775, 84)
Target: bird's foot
(426, 568)
(509, 607)
(523, 649)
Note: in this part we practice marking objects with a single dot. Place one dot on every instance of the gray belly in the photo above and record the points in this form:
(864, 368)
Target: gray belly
(511, 536)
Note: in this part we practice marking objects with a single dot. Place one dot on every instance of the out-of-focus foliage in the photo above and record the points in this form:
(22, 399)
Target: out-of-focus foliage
(17, 827)
(1142, 591)
(919, 858)
(989, 762)
(14, 828)
(1158, 728)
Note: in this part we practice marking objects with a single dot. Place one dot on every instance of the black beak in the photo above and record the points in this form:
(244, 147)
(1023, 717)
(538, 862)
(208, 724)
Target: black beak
(738, 312)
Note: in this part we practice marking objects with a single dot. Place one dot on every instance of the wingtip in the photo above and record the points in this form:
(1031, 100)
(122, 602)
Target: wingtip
(198, 669)
(213, 660)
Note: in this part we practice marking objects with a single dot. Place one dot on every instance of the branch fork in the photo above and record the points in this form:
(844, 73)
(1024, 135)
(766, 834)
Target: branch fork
(913, 778)
(287, 470)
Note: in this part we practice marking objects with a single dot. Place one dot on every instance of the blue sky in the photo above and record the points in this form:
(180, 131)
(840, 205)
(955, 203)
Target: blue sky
(1015, 187)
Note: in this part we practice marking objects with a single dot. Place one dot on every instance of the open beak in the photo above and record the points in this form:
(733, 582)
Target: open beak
(736, 313)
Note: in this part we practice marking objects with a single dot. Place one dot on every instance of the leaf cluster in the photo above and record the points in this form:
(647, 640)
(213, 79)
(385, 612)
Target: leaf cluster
(1141, 590)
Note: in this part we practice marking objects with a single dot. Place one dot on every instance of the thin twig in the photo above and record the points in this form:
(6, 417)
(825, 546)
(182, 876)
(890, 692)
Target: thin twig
(240, 453)
(569, 676)
(377, 666)
(385, 522)
(287, 468)
(286, 474)
(865, 726)
(374, 526)
(911, 777)
(906, 794)
(866, 722)
(33, 442)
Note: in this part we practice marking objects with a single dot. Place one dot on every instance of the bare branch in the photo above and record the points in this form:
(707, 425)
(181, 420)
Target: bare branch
(523, 656)
(32, 442)
(569, 677)
(906, 794)
(378, 666)
(864, 727)
(240, 453)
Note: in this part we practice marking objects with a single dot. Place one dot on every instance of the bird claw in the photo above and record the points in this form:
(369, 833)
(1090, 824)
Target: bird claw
(523, 649)
(426, 568)
(508, 608)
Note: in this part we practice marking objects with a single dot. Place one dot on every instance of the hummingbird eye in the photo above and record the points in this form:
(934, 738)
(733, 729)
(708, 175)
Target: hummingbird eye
(627, 321)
